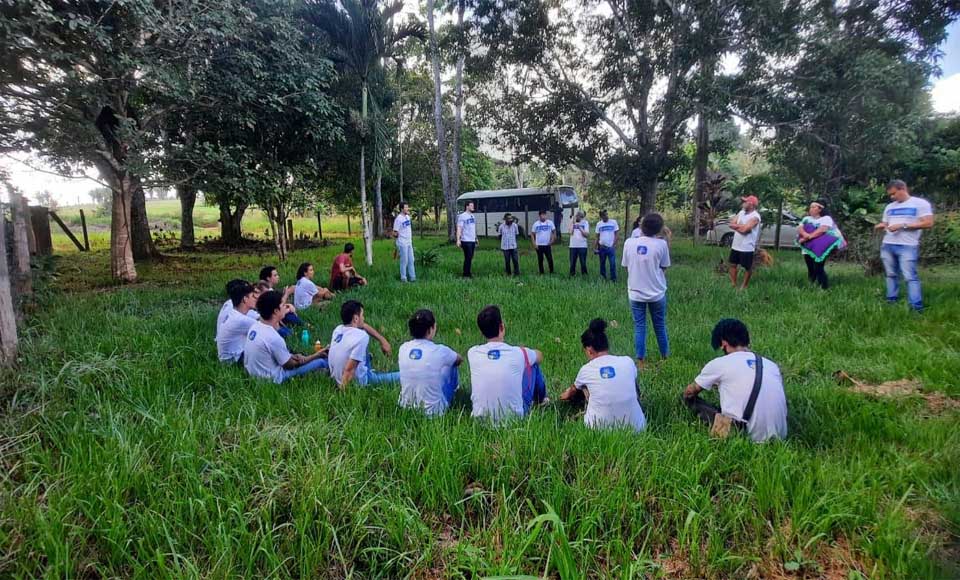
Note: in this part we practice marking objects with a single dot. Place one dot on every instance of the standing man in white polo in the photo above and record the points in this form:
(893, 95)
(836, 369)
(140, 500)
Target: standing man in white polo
(403, 232)
(903, 220)
(467, 238)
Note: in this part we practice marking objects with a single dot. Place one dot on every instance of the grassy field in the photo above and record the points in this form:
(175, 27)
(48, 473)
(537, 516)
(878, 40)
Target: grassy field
(128, 451)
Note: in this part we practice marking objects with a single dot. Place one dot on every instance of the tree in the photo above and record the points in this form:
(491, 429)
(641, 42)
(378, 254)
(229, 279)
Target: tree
(361, 38)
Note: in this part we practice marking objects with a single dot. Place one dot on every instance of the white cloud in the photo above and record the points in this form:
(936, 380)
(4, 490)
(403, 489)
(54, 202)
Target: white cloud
(946, 94)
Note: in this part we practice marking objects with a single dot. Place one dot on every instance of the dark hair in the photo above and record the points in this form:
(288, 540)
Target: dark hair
(302, 270)
(469, 202)
(421, 322)
(896, 184)
(823, 207)
(636, 222)
(239, 291)
(268, 303)
(263, 286)
(347, 248)
(266, 271)
(489, 321)
(543, 212)
(231, 284)
(731, 330)
(651, 224)
(596, 336)
(350, 309)
(402, 205)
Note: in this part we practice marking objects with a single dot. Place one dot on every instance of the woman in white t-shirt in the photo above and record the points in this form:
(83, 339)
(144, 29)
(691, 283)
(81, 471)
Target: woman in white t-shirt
(607, 382)
(815, 224)
(306, 293)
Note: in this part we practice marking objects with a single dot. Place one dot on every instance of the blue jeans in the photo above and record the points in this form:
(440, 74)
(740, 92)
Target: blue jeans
(534, 387)
(608, 253)
(407, 270)
(317, 364)
(291, 319)
(377, 378)
(450, 384)
(658, 314)
(899, 259)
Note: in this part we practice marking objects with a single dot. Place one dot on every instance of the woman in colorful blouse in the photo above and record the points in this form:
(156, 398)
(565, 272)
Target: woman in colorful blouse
(818, 236)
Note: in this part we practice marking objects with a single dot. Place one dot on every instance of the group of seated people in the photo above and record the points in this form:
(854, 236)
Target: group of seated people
(506, 380)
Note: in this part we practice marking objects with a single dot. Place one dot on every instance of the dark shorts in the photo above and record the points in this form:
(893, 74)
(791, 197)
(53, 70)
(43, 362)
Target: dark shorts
(742, 259)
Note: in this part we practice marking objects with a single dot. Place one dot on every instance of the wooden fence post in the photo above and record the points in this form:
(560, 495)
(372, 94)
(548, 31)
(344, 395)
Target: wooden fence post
(83, 226)
(8, 318)
(319, 226)
(348, 225)
(290, 230)
(41, 230)
(22, 278)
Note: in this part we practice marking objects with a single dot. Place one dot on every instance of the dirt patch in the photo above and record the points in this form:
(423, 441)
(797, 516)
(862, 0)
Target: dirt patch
(673, 564)
(937, 403)
(833, 562)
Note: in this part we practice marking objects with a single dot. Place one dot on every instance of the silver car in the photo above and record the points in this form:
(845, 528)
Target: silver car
(723, 235)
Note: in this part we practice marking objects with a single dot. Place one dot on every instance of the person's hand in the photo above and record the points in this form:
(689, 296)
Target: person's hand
(385, 347)
(297, 358)
(458, 242)
(690, 392)
(569, 393)
(880, 226)
(287, 309)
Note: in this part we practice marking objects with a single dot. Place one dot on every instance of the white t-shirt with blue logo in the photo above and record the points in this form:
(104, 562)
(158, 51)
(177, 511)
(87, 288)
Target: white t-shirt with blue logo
(578, 234)
(496, 379)
(905, 212)
(232, 335)
(508, 236)
(265, 353)
(542, 231)
(612, 382)
(424, 366)
(607, 231)
(734, 375)
(468, 227)
(348, 343)
(401, 225)
(645, 258)
(304, 292)
(225, 310)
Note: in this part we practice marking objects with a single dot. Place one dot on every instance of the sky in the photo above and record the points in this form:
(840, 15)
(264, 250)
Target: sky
(945, 92)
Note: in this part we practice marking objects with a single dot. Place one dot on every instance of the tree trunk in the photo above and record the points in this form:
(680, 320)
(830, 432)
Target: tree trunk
(700, 172)
(121, 244)
(143, 247)
(230, 231)
(8, 318)
(776, 239)
(378, 205)
(448, 198)
(458, 107)
(364, 210)
(627, 226)
(188, 199)
(319, 226)
(22, 278)
(648, 197)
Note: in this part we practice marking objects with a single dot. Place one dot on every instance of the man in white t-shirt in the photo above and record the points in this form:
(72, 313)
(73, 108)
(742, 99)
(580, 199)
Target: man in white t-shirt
(508, 231)
(646, 258)
(579, 237)
(606, 245)
(265, 354)
(904, 218)
(428, 371)
(734, 375)
(746, 227)
(607, 382)
(505, 380)
(403, 231)
(233, 324)
(349, 358)
(543, 236)
(228, 305)
(467, 238)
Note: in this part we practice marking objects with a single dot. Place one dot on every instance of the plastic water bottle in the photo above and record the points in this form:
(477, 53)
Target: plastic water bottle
(305, 337)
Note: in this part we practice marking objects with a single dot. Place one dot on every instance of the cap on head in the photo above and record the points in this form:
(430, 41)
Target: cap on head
(751, 199)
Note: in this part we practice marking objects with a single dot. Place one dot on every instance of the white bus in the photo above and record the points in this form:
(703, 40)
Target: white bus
(525, 205)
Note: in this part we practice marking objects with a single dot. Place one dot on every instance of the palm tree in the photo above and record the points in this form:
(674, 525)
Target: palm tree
(361, 37)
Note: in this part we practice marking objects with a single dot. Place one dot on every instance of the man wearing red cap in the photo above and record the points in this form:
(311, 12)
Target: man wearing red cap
(746, 227)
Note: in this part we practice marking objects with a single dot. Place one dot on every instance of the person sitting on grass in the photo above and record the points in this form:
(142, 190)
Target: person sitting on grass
(307, 293)
(751, 387)
(429, 373)
(506, 380)
(349, 359)
(265, 354)
(270, 276)
(607, 382)
(228, 305)
(343, 275)
(233, 326)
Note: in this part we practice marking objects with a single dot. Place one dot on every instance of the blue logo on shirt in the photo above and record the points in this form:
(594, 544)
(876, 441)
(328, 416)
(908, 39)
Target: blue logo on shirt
(493, 355)
(252, 335)
(543, 228)
(607, 372)
(338, 337)
(469, 221)
(911, 211)
(751, 363)
(405, 224)
(642, 250)
(416, 354)
(606, 228)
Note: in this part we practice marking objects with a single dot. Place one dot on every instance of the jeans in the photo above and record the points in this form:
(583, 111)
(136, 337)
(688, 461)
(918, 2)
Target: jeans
(544, 251)
(407, 270)
(468, 249)
(511, 256)
(575, 255)
(314, 365)
(534, 387)
(450, 384)
(377, 378)
(816, 272)
(658, 315)
(608, 253)
(291, 319)
(899, 259)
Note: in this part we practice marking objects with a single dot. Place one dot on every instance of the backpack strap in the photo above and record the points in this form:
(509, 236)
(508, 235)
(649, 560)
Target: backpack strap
(757, 380)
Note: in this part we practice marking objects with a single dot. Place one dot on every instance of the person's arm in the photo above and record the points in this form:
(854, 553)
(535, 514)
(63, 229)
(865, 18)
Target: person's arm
(287, 292)
(553, 235)
(384, 343)
(880, 226)
(692, 390)
(459, 232)
(815, 233)
(298, 360)
(349, 372)
(923, 223)
(747, 227)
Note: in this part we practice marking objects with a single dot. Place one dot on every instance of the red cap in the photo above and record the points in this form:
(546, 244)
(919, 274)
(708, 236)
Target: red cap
(750, 198)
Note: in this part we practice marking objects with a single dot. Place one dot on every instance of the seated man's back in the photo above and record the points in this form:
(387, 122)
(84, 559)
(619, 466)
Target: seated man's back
(232, 335)
(734, 375)
(496, 376)
(424, 368)
(348, 343)
(265, 353)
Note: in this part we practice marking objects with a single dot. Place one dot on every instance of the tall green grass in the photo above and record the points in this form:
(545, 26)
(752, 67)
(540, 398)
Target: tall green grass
(129, 452)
